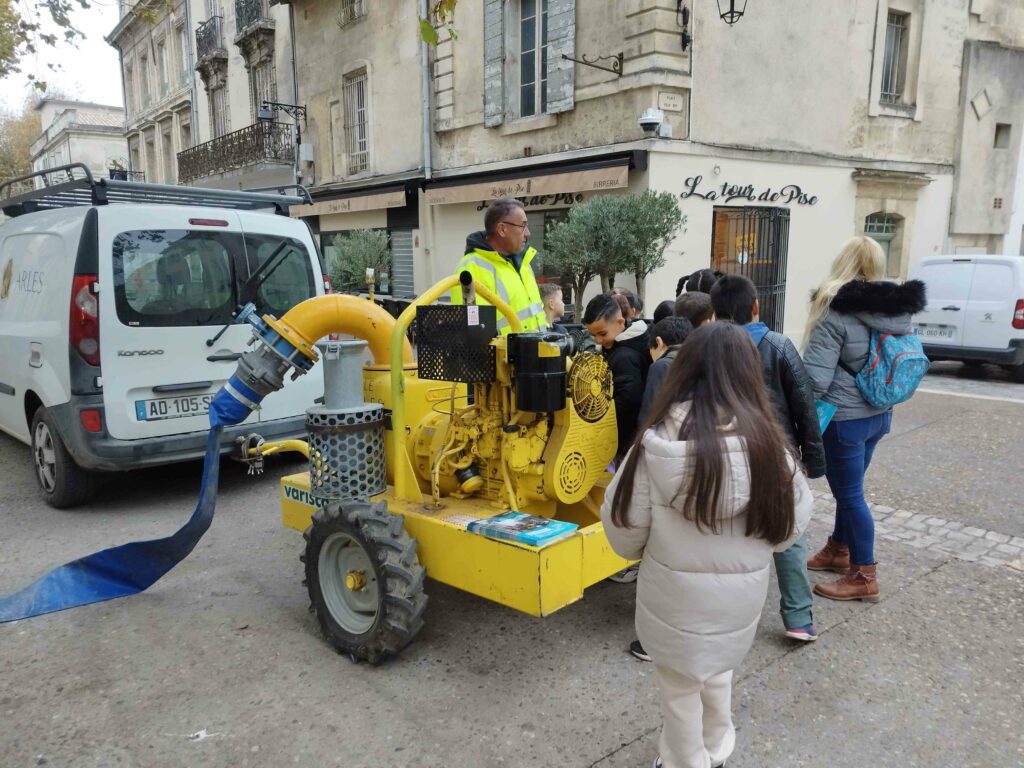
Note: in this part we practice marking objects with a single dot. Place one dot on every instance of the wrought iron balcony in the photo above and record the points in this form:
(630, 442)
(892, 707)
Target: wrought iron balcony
(249, 13)
(210, 39)
(262, 142)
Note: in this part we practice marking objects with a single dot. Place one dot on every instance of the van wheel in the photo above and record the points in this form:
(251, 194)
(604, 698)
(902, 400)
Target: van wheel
(1017, 373)
(64, 483)
(365, 581)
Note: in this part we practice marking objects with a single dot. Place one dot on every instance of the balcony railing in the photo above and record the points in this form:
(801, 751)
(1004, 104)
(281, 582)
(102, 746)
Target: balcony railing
(250, 12)
(258, 143)
(210, 37)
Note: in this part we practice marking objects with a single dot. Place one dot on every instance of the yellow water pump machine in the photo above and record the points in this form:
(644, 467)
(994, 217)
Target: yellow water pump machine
(480, 461)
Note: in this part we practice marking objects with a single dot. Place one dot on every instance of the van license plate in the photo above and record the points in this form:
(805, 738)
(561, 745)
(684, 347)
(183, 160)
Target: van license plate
(935, 331)
(172, 407)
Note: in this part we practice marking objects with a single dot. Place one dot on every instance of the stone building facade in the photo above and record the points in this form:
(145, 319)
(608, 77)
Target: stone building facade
(195, 75)
(781, 135)
(81, 132)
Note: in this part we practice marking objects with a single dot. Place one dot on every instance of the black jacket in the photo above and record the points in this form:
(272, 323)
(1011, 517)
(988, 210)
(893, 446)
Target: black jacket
(629, 358)
(655, 376)
(790, 389)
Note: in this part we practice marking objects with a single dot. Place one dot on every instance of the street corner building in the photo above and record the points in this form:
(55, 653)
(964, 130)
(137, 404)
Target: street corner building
(899, 119)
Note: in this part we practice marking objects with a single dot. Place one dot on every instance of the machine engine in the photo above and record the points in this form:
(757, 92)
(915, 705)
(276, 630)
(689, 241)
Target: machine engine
(539, 428)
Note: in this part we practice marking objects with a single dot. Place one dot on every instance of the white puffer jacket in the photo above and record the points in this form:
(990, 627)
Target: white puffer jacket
(699, 595)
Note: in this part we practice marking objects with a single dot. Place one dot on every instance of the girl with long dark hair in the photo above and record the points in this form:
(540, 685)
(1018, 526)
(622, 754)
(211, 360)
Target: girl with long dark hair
(706, 494)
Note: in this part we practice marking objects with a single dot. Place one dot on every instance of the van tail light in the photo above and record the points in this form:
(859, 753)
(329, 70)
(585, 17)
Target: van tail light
(1018, 315)
(85, 318)
(91, 420)
(327, 284)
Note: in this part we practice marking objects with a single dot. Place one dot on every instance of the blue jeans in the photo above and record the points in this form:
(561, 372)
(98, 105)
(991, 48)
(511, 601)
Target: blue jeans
(849, 446)
(794, 587)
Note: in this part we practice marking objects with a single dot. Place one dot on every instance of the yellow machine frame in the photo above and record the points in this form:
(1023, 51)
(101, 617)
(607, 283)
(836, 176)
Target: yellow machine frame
(534, 580)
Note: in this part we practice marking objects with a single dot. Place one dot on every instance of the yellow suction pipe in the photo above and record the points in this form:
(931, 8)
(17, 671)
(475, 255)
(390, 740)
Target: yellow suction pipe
(314, 318)
(406, 486)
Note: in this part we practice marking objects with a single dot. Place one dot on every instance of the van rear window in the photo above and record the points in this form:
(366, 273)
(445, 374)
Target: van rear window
(197, 277)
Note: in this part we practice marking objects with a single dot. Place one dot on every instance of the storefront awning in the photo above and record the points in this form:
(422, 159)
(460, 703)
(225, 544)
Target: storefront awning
(393, 199)
(611, 176)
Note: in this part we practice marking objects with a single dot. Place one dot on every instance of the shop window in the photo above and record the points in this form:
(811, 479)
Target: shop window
(754, 242)
(887, 229)
(357, 135)
(540, 222)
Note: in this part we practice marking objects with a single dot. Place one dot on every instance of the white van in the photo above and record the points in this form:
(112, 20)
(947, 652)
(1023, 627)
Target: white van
(975, 310)
(110, 314)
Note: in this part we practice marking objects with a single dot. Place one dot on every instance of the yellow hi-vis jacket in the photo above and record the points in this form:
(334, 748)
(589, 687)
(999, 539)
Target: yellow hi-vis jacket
(518, 289)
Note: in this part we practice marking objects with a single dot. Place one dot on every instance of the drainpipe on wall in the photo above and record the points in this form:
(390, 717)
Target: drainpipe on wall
(124, 100)
(295, 88)
(192, 96)
(425, 77)
(428, 235)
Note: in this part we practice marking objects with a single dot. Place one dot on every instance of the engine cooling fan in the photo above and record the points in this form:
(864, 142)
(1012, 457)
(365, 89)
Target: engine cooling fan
(590, 386)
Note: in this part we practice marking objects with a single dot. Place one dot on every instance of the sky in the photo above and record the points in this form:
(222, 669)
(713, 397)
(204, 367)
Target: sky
(90, 72)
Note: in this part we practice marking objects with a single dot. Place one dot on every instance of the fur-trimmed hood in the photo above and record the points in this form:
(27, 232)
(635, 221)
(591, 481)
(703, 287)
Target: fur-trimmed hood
(880, 298)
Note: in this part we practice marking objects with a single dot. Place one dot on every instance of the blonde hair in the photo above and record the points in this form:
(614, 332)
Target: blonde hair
(860, 258)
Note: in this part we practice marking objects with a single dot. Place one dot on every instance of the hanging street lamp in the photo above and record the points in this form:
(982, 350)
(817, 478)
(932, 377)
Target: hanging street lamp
(732, 14)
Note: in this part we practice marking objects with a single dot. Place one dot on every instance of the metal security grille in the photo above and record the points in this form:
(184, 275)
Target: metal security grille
(895, 62)
(754, 242)
(356, 133)
(350, 11)
(402, 284)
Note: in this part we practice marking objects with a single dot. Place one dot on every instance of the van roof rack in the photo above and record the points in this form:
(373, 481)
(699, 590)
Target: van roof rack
(83, 189)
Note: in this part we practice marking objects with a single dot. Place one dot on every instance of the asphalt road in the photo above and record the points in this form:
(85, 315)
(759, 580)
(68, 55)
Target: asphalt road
(221, 664)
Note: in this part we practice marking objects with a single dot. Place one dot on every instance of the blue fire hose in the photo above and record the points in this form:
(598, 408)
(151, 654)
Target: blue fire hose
(134, 567)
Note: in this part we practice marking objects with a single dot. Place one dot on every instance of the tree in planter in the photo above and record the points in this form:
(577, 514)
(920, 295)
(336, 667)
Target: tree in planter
(355, 251)
(586, 245)
(652, 220)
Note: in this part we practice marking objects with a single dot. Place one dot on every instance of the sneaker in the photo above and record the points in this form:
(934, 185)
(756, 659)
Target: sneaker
(626, 575)
(638, 651)
(804, 634)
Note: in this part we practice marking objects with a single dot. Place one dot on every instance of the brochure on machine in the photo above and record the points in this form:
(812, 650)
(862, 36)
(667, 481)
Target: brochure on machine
(525, 529)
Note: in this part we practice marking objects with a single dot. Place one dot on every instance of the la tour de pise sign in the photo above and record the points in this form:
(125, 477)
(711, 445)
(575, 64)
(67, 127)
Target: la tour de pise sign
(791, 194)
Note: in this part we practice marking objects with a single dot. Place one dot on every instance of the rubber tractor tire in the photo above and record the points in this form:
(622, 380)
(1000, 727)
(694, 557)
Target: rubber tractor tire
(64, 484)
(365, 581)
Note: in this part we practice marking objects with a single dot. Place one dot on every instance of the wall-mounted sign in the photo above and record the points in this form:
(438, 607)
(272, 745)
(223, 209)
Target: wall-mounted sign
(590, 180)
(791, 194)
(394, 199)
(543, 201)
(670, 102)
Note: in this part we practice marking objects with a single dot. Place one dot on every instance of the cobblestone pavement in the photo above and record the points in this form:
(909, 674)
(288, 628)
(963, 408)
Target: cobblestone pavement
(936, 534)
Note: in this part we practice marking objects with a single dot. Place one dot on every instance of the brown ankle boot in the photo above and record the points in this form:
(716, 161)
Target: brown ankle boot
(832, 557)
(859, 583)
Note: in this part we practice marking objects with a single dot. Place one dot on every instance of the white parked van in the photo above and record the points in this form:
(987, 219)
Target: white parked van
(110, 310)
(975, 310)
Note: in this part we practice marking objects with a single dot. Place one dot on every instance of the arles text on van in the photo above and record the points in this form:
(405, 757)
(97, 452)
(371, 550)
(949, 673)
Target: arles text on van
(25, 280)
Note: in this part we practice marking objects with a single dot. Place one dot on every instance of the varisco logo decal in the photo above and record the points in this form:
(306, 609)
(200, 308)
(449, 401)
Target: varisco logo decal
(303, 497)
(5, 288)
(138, 352)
